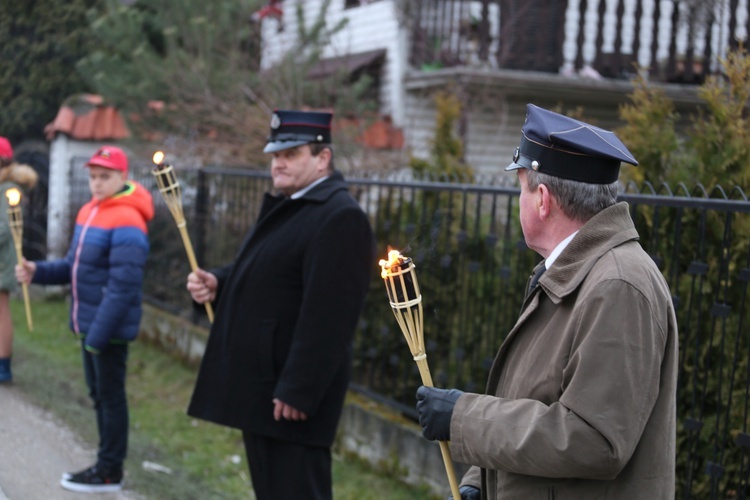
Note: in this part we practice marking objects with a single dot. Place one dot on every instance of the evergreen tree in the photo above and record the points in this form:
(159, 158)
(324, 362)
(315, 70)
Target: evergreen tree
(182, 68)
(191, 69)
(40, 43)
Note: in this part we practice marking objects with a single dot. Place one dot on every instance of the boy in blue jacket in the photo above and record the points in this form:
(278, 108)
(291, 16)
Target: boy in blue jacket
(104, 267)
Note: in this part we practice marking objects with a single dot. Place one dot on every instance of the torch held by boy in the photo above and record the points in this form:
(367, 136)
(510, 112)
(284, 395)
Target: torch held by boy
(15, 220)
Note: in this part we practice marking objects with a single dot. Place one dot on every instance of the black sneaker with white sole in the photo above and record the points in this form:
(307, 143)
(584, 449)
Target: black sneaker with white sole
(92, 480)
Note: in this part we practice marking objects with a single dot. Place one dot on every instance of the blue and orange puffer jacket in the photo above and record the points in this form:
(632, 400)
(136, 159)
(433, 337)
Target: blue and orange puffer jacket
(104, 266)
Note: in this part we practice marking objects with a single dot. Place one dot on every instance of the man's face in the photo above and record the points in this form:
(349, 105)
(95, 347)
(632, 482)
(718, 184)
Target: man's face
(105, 182)
(296, 168)
(528, 205)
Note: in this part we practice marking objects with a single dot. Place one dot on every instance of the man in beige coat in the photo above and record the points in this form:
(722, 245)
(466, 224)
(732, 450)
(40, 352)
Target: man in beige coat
(580, 401)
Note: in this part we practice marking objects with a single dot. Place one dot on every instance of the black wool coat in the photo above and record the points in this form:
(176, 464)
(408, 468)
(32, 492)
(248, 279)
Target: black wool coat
(286, 311)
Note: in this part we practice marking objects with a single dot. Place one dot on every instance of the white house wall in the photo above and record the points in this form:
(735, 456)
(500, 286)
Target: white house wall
(419, 124)
(376, 25)
(493, 126)
(370, 27)
(492, 134)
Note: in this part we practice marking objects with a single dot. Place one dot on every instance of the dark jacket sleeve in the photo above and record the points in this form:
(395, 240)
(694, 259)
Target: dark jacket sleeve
(56, 272)
(221, 273)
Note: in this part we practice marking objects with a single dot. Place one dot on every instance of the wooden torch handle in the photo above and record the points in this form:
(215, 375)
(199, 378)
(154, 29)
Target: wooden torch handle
(194, 264)
(424, 372)
(24, 287)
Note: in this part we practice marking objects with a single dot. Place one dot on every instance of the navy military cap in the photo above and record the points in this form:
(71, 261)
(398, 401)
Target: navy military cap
(557, 145)
(290, 129)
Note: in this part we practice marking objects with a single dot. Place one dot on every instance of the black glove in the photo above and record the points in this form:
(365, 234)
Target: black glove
(435, 408)
(468, 493)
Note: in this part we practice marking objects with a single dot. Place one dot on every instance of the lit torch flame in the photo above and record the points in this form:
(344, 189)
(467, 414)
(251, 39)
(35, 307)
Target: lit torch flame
(406, 302)
(15, 221)
(169, 187)
(158, 157)
(14, 196)
(394, 259)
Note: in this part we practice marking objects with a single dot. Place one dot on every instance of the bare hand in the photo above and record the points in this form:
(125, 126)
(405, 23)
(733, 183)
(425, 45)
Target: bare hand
(25, 271)
(281, 409)
(202, 286)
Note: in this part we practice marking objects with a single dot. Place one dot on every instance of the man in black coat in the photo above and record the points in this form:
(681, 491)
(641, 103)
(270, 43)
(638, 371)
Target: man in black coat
(278, 359)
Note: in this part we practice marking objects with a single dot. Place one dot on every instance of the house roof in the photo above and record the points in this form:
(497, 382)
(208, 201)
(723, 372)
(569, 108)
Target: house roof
(87, 117)
(349, 63)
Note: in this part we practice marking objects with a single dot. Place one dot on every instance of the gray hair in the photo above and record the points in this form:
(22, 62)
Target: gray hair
(578, 200)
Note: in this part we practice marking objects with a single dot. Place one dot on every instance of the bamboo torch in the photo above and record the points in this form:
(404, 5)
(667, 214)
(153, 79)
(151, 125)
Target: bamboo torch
(402, 288)
(15, 220)
(169, 187)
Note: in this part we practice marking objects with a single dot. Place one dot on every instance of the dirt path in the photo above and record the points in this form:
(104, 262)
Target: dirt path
(35, 449)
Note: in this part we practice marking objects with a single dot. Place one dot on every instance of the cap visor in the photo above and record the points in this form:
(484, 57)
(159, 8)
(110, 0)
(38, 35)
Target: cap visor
(273, 147)
(513, 166)
(100, 162)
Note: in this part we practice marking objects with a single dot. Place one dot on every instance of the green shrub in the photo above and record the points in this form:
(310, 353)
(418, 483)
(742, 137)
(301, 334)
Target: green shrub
(706, 258)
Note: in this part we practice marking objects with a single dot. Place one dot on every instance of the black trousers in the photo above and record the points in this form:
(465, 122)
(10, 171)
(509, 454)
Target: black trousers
(280, 469)
(105, 378)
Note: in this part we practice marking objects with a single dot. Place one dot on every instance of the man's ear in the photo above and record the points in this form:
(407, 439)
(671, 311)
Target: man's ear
(325, 159)
(545, 202)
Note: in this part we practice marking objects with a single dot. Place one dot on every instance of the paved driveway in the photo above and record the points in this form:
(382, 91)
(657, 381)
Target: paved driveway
(35, 449)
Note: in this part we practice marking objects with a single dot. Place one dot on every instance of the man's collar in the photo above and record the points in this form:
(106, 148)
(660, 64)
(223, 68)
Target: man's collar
(558, 250)
(303, 191)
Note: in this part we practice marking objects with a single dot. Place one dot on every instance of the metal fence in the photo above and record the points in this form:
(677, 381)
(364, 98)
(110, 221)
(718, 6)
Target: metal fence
(473, 264)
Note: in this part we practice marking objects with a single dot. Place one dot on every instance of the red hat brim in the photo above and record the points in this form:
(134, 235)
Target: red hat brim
(105, 163)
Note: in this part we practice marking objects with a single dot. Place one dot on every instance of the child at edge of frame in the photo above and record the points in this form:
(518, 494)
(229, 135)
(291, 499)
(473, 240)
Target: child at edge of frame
(104, 266)
(22, 177)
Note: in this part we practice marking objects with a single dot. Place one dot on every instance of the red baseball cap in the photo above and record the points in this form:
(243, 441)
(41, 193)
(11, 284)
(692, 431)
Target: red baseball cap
(6, 151)
(109, 157)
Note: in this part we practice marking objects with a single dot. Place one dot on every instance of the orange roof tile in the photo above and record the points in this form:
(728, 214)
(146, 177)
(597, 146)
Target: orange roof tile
(379, 134)
(86, 117)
